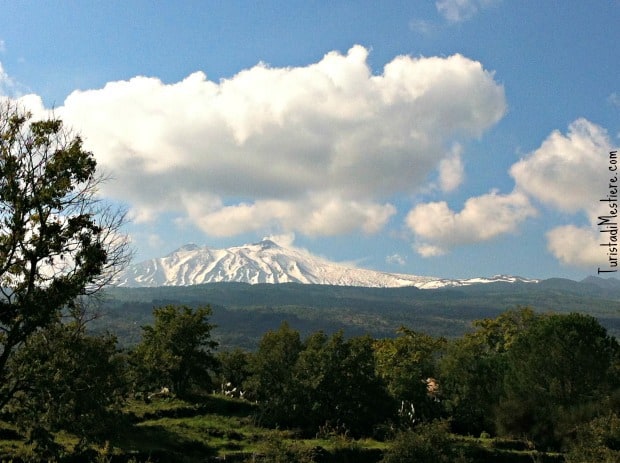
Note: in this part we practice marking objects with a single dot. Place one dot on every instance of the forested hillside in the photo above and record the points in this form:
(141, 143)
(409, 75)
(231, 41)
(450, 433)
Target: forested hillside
(243, 312)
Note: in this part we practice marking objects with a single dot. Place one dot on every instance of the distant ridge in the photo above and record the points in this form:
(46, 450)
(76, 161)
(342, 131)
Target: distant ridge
(604, 283)
(269, 262)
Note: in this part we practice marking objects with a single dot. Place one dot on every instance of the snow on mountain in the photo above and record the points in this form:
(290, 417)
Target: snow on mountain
(268, 262)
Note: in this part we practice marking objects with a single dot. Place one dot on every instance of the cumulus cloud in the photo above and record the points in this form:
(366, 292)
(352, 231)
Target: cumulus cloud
(438, 229)
(429, 250)
(451, 170)
(32, 103)
(312, 216)
(576, 246)
(567, 171)
(317, 149)
(570, 172)
(456, 11)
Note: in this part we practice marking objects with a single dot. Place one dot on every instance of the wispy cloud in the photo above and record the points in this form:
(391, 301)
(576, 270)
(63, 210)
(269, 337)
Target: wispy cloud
(614, 99)
(456, 11)
(396, 259)
(6, 83)
(283, 239)
(11, 88)
(423, 26)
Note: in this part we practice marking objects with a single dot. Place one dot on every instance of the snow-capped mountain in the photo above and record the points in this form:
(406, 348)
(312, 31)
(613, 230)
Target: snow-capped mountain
(268, 262)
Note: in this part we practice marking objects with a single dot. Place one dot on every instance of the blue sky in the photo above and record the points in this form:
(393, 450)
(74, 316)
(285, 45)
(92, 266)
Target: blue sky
(455, 138)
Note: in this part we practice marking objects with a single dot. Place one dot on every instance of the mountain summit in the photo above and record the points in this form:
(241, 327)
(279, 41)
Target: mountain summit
(269, 262)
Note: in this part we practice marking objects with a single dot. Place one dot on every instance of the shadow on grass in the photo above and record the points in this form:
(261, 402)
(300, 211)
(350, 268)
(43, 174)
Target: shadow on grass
(196, 406)
(156, 444)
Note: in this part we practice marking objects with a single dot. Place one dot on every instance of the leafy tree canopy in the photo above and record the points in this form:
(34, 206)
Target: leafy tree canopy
(271, 369)
(473, 367)
(177, 351)
(67, 380)
(561, 366)
(337, 384)
(57, 241)
(407, 361)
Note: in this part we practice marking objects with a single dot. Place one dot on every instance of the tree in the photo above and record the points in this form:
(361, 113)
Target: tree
(177, 351)
(234, 368)
(405, 363)
(322, 381)
(271, 380)
(57, 240)
(473, 367)
(337, 384)
(559, 374)
(68, 381)
(598, 440)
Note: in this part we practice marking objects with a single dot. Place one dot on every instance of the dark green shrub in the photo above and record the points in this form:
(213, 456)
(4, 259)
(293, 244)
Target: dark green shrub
(427, 443)
(597, 441)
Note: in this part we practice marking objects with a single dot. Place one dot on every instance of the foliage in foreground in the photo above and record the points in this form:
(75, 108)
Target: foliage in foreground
(597, 441)
(325, 387)
(559, 374)
(322, 381)
(57, 240)
(177, 351)
(68, 381)
(427, 443)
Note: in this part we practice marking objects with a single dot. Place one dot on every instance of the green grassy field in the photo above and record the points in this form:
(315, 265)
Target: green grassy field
(220, 428)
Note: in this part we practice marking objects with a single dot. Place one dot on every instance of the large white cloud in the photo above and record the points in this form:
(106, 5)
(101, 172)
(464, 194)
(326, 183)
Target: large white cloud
(569, 171)
(318, 149)
(576, 246)
(317, 216)
(438, 228)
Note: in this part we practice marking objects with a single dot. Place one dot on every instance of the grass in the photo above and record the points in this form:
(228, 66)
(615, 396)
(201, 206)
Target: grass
(224, 435)
(219, 428)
